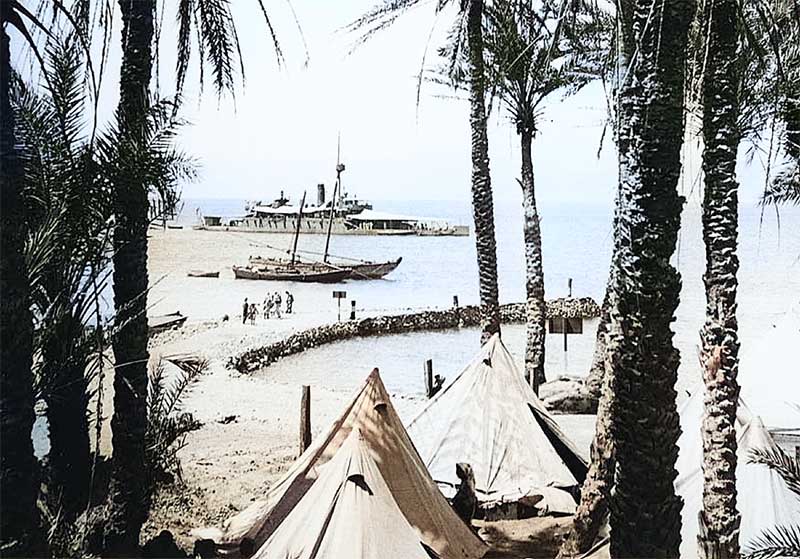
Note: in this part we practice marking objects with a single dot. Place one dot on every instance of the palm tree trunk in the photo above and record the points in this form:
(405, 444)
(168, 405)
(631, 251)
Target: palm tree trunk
(592, 510)
(719, 519)
(645, 511)
(594, 380)
(534, 272)
(67, 400)
(128, 497)
(19, 483)
(482, 205)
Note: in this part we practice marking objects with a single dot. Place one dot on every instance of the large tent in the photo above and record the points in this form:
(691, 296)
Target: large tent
(348, 512)
(769, 374)
(382, 434)
(491, 419)
(763, 499)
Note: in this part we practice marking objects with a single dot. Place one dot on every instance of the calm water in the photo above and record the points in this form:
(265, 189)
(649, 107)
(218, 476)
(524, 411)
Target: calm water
(576, 244)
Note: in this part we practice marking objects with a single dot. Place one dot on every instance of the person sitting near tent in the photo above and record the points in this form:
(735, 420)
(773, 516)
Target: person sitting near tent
(438, 382)
(289, 302)
(465, 502)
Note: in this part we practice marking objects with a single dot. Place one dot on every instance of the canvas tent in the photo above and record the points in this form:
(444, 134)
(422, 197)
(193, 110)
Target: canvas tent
(763, 499)
(348, 512)
(491, 419)
(769, 374)
(382, 434)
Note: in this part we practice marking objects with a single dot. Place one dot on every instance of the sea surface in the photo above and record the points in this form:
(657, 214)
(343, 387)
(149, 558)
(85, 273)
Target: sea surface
(576, 244)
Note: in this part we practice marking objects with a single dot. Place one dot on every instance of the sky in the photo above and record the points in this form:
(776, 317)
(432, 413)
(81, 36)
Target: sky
(280, 131)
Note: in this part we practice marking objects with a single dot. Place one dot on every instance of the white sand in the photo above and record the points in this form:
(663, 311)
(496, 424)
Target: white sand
(227, 465)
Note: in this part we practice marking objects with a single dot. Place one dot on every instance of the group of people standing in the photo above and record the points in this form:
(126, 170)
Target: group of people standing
(271, 307)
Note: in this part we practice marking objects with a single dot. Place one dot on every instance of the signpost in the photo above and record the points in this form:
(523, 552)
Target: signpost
(339, 295)
(564, 325)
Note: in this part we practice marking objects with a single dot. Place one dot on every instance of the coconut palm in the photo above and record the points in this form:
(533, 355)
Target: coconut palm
(645, 287)
(469, 30)
(719, 518)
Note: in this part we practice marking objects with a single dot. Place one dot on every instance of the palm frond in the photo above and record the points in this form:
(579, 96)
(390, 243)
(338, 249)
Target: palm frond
(167, 425)
(779, 461)
(781, 541)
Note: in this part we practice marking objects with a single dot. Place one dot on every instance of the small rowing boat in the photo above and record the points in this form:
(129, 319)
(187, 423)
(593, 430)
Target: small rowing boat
(202, 274)
(165, 322)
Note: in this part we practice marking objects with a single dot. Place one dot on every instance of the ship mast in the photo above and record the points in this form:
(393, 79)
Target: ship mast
(297, 231)
(336, 188)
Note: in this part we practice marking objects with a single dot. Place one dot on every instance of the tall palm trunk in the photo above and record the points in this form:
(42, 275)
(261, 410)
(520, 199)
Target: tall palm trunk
(719, 519)
(592, 510)
(482, 205)
(19, 484)
(645, 511)
(128, 498)
(534, 272)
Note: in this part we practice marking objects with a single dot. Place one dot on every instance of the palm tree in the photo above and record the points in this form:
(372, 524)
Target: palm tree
(218, 45)
(532, 53)
(19, 479)
(652, 46)
(470, 26)
(719, 518)
(128, 502)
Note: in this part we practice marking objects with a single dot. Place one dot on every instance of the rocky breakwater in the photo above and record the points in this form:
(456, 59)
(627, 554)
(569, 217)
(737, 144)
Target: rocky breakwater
(455, 317)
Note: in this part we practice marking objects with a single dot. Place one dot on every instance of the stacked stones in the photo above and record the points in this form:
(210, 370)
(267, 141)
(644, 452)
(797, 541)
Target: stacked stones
(456, 317)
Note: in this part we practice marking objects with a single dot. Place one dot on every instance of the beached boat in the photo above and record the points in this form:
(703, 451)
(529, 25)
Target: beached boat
(202, 274)
(359, 270)
(287, 273)
(165, 322)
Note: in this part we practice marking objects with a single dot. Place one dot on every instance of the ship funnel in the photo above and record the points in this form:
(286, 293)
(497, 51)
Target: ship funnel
(320, 194)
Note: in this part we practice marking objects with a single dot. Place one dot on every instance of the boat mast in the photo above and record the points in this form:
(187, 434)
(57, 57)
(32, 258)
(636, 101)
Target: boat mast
(297, 231)
(336, 188)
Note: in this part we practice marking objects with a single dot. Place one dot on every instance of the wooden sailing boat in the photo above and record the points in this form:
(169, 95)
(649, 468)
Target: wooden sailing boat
(293, 270)
(356, 268)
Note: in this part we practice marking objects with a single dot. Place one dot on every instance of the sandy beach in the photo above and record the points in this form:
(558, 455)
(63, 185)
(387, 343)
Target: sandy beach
(250, 423)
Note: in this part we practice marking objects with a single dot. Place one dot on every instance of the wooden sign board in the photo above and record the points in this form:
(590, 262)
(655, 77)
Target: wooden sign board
(557, 325)
(340, 294)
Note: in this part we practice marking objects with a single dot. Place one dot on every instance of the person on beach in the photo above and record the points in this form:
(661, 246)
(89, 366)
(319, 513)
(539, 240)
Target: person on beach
(265, 309)
(277, 299)
(245, 311)
(253, 313)
(268, 306)
(289, 302)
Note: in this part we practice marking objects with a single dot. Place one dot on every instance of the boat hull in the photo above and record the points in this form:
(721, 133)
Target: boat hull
(291, 274)
(365, 271)
(201, 274)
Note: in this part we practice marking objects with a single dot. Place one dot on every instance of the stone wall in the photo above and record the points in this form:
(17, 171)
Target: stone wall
(456, 317)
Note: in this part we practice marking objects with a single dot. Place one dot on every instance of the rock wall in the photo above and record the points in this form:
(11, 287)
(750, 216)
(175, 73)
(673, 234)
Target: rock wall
(456, 317)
